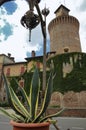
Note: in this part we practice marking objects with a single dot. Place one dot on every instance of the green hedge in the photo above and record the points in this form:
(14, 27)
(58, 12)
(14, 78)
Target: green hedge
(75, 80)
(4, 104)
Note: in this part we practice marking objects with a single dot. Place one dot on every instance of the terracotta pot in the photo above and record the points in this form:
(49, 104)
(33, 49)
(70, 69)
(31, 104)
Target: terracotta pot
(30, 126)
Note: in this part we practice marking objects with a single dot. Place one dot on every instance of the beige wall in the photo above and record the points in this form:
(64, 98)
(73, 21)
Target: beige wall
(69, 99)
(15, 70)
(5, 59)
(1, 58)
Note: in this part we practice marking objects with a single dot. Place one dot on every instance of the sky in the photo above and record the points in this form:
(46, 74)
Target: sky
(14, 38)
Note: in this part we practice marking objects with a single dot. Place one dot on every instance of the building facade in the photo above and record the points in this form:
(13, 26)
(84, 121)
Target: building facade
(14, 69)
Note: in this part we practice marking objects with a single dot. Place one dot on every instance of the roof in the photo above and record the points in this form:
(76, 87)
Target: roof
(8, 57)
(15, 63)
(62, 6)
(34, 58)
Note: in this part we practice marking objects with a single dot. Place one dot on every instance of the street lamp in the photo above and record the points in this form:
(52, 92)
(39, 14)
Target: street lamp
(30, 20)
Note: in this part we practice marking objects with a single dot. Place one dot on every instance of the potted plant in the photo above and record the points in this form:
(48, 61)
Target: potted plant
(28, 115)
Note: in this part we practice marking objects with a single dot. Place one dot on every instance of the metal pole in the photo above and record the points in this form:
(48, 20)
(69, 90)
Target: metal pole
(44, 57)
(45, 12)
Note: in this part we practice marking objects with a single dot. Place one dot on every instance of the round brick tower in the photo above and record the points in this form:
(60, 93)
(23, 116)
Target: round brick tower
(64, 32)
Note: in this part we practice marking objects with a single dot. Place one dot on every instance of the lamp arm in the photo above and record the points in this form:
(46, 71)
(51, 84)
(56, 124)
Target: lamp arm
(41, 19)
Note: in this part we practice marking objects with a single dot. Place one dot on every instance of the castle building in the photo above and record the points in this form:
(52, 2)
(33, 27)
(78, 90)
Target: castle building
(64, 32)
(64, 38)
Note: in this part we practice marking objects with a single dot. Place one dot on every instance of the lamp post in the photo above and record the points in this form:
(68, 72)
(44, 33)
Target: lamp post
(45, 12)
(31, 20)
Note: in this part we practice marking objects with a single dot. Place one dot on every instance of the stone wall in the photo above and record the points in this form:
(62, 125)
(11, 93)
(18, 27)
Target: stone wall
(69, 99)
(74, 102)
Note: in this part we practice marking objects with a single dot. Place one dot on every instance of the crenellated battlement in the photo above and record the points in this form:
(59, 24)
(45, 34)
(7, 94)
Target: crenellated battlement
(64, 20)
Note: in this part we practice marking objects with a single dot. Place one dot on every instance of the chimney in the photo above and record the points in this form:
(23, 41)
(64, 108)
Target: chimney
(33, 54)
(9, 55)
(12, 58)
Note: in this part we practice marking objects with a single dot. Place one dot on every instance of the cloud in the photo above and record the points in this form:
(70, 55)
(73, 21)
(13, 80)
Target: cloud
(14, 38)
(16, 41)
(12, 35)
(82, 6)
(39, 49)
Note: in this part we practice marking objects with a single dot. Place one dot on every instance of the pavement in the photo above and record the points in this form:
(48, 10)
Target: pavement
(62, 122)
(65, 123)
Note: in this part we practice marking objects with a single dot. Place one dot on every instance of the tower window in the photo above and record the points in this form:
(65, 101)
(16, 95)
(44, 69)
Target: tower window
(21, 82)
(22, 70)
(66, 49)
(38, 64)
(8, 72)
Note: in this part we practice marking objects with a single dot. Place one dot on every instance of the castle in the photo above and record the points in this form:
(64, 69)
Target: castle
(64, 39)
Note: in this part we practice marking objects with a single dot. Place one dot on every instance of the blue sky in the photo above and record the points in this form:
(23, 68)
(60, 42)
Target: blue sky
(14, 38)
(12, 9)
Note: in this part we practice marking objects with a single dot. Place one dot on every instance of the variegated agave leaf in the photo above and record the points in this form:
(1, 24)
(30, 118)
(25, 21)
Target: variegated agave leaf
(24, 95)
(8, 94)
(29, 113)
(47, 97)
(17, 104)
(12, 116)
(46, 118)
(34, 94)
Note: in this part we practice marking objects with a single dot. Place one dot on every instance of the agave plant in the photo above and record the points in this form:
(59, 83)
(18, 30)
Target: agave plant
(30, 113)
